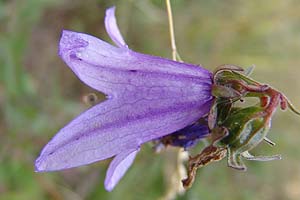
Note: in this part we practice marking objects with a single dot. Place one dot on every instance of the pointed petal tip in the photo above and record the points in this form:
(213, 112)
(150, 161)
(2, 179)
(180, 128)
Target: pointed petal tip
(108, 187)
(69, 41)
(39, 166)
(112, 28)
(110, 10)
(118, 167)
(60, 46)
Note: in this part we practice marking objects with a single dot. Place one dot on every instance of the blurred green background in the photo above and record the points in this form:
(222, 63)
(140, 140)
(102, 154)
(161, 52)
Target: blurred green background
(39, 94)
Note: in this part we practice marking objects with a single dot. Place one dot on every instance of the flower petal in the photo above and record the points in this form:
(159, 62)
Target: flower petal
(116, 126)
(118, 168)
(112, 28)
(119, 71)
(150, 97)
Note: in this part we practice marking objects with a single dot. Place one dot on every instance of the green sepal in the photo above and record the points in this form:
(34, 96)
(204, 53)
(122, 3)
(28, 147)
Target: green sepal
(234, 160)
(247, 127)
(220, 91)
(219, 111)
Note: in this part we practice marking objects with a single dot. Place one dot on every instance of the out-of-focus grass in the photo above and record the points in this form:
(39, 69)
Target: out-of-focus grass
(39, 94)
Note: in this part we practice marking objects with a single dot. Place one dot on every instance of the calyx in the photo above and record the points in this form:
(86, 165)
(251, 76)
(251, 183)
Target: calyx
(234, 129)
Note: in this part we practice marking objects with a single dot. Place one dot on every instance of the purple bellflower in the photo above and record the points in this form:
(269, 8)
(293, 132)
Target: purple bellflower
(148, 97)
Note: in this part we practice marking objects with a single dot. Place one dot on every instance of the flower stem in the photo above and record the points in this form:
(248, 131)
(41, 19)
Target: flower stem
(175, 55)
